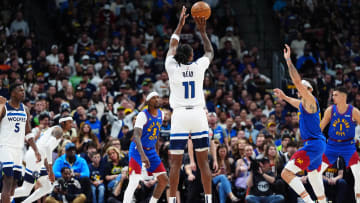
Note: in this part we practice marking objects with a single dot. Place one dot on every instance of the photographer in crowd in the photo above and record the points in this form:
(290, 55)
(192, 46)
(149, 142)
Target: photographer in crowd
(260, 183)
(66, 189)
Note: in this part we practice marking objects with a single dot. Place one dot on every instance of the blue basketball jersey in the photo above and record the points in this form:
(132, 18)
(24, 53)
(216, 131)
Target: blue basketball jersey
(309, 123)
(151, 129)
(342, 127)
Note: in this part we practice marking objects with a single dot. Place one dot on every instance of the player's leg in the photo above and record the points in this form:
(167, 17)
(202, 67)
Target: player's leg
(200, 138)
(160, 187)
(175, 164)
(135, 165)
(6, 191)
(40, 192)
(355, 168)
(7, 164)
(314, 175)
(158, 170)
(299, 161)
(179, 134)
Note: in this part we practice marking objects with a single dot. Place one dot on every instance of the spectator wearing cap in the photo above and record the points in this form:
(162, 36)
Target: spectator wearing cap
(85, 61)
(94, 122)
(71, 160)
(162, 86)
(234, 40)
(64, 109)
(19, 24)
(78, 166)
(53, 57)
(147, 76)
(88, 88)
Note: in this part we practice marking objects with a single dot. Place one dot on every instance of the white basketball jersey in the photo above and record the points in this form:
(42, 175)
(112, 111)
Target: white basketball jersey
(12, 126)
(186, 82)
(47, 143)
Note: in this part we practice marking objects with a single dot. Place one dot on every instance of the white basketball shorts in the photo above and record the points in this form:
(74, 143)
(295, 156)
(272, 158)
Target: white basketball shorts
(187, 122)
(11, 160)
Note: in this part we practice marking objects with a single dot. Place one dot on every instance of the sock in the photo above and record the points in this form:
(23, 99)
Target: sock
(153, 200)
(208, 198)
(172, 199)
(316, 181)
(299, 188)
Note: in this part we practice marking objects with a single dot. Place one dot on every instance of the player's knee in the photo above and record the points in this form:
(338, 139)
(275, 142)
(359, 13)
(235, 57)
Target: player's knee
(163, 180)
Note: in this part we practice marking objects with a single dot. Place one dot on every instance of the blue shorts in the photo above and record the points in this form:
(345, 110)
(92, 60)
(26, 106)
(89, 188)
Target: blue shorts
(135, 163)
(345, 150)
(310, 156)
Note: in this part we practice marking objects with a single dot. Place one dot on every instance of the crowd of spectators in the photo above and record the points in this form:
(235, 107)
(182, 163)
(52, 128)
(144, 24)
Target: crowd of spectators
(109, 54)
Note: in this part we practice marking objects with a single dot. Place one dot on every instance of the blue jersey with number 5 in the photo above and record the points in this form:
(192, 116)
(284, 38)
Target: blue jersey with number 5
(12, 126)
(151, 129)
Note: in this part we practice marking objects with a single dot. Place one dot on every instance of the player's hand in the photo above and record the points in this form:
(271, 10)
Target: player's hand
(2, 100)
(215, 166)
(200, 24)
(193, 166)
(183, 16)
(287, 52)
(191, 177)
(146, 161)
(279, 93)
(38, 157)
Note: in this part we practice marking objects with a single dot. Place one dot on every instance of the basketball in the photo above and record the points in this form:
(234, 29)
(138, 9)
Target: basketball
(200, 9)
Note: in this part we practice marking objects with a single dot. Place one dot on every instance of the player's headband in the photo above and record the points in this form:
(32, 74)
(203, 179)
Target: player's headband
(68, 118)
(151, 95)
(306, 84)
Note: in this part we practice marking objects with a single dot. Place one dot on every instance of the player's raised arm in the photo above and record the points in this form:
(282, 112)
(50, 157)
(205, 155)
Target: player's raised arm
(175, 38)
(326, 119)
(201, 26)
(281, 95)
(309, 100)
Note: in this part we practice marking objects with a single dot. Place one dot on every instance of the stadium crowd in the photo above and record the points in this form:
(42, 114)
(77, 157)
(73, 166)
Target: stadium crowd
(108, 55)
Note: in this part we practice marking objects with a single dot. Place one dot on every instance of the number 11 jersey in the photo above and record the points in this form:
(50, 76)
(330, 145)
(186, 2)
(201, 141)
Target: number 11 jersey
(186, 82)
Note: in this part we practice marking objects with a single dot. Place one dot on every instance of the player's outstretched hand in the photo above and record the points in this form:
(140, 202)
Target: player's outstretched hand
(183, 16)
(146, 161)
(287, 52)
(200, 23)
(2, 100)
(279, 93)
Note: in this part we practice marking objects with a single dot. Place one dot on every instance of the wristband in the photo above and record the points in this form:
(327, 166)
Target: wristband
(288, 59)
(175, 36)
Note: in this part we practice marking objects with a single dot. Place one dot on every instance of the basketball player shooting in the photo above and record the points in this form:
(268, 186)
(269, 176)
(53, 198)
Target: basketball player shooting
(188, 102)
(310, 156)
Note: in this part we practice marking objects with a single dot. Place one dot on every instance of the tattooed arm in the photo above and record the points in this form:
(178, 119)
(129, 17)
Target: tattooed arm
(308, 99)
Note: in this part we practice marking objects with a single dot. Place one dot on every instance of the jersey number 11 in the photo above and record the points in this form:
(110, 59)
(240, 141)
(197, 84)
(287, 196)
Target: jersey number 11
(192, 85)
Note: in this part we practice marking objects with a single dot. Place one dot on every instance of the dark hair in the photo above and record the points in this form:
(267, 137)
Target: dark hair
(341, 89)
(44, 115)
(64, 168)
(292, 144)
(183, 53)
(14, 86)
